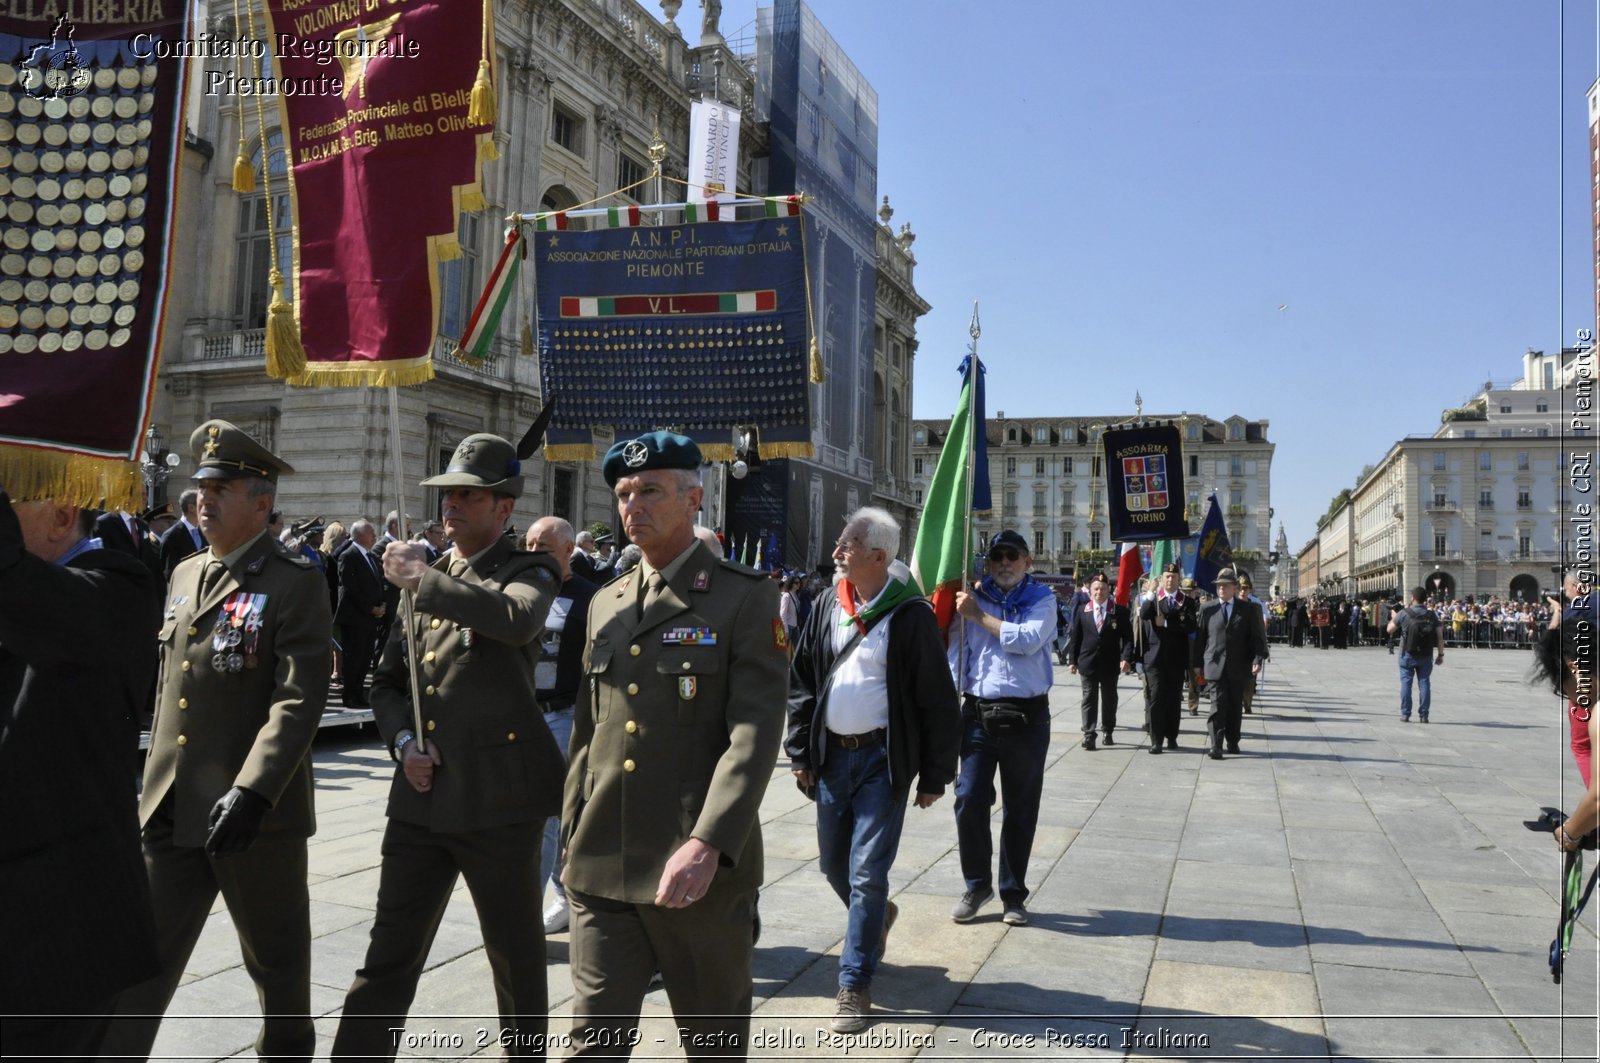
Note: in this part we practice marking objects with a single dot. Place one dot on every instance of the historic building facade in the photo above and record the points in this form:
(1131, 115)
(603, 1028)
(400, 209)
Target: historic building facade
(1475, 510)
(1047, 482)
(583, 87)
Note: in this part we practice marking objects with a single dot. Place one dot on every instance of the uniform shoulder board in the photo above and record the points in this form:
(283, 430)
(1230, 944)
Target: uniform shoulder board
(744, 570)
(282, 551)
(542, 565)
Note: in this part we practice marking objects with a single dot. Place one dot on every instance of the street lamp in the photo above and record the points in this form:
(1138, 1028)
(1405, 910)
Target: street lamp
(155, 463)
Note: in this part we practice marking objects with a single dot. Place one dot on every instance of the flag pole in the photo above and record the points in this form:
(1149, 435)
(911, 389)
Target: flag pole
(406, 594)
(974, 330)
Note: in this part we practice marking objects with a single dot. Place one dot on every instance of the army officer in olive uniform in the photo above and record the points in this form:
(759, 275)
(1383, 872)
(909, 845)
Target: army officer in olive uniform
(675, 735)
(227, 802)
(473, 790)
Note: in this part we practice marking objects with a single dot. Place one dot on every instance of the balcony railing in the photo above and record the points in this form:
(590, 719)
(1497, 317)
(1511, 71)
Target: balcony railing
(228, 346)
(1439, 505)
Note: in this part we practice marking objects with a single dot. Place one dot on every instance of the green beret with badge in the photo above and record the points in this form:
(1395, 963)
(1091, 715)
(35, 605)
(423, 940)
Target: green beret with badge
(653, 450)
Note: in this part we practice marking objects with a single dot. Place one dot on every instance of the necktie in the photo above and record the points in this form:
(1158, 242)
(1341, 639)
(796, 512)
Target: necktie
(194, 533)
(211, 577)
(1227, 615)
(458, 568)
(653, 586)
(1099, 617)
(376, 571)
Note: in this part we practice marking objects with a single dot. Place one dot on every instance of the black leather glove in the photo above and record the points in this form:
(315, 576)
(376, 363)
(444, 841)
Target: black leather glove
(235, 821)
(11, 546)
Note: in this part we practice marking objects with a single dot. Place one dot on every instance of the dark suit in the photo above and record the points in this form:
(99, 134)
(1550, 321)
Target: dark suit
(216, 729)
(1224, 653)
(77, 654)
(177, 544)
(1098, 655)
(361, 590)
(675, 735)
(1167, 622)
(112, 531)
(483, 817)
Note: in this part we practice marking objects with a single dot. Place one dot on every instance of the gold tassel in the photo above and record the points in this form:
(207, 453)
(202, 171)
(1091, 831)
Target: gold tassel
(481, 109)
(818, 375)
(244, 175)
(487, 150)
(473, 201)
(449, 249)
(286, 358)
(527, 339)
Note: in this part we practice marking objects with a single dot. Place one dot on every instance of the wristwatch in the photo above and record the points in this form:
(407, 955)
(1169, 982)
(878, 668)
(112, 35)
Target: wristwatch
(405, 739)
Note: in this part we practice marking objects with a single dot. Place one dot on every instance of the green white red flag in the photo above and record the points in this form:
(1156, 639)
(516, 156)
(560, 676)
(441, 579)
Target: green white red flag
(497, 295)
(940, 558)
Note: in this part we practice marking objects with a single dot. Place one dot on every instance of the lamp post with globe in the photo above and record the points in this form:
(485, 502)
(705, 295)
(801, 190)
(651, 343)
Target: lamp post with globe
(155, 463)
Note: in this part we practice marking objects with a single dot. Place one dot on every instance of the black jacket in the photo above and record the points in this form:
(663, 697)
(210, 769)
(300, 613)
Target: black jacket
(1166, 648)
(77, 656)
(1100, 652)
(360, 589)
(924, 712)
(1229, 649)
(176, 545)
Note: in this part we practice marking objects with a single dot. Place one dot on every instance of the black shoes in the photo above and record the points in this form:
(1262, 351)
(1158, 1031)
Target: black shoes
(1109, 742)
(1172, 743)
(1155, 747)
(1215, 754)
(1088, 743)
(1233, 747)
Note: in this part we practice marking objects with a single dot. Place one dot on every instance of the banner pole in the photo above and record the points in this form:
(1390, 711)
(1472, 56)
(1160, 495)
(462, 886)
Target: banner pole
(406, 595)
(973, 330)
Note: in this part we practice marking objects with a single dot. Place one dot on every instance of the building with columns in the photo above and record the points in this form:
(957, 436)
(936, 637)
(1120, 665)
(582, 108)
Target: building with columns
(1475, 510)
(1047, 482)
(583, 86)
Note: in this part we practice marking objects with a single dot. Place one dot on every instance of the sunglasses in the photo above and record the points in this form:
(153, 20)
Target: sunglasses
(1004, 555)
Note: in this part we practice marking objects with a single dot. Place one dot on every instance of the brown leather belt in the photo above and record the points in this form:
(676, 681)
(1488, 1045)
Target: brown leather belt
(866, 738)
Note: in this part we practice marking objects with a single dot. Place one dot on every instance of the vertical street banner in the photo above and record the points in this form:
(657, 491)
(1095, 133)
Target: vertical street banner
(91, 130)
(386, 144)
(1144, 483)
(713, 149)
(698, 327)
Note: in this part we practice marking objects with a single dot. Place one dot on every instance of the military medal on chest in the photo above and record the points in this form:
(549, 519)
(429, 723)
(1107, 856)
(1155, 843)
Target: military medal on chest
(237, 633)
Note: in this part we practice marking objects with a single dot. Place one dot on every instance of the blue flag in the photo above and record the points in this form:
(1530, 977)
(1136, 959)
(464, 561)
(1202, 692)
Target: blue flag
(1212, 553)
(981, 500)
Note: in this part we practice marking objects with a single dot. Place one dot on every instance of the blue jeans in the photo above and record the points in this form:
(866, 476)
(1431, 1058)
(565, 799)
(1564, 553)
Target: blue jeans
(859, 816)
(1020, 758)
(550, 865)
(1423, 667)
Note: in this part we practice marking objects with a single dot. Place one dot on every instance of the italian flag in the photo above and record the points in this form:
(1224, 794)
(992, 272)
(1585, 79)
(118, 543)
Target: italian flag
(1129, 569)
(485, 320)
(707, 210)
(939, 560)
(623, 217)
(549, 222)
(783, 207)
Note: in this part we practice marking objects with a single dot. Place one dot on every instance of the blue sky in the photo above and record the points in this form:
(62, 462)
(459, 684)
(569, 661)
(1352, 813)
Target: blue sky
(1133, 189)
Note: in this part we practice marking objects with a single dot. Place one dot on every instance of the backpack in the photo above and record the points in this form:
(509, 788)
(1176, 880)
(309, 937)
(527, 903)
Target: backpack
(1421, 634)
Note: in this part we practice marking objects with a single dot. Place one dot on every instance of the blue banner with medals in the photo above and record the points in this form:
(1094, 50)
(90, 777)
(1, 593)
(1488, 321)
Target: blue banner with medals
(697, 327)
(1144, 481)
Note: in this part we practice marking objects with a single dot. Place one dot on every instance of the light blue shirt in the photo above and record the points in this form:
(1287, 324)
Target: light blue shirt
(1015, 665)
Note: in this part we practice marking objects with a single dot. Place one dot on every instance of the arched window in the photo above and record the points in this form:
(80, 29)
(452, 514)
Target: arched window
(252, 289)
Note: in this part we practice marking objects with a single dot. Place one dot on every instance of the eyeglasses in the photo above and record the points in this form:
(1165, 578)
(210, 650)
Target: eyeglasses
(1004, 555)
(848, 546)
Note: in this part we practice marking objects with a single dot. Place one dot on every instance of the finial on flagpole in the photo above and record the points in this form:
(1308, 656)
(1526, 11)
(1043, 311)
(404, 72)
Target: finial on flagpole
(1138, 405)
(974, 330)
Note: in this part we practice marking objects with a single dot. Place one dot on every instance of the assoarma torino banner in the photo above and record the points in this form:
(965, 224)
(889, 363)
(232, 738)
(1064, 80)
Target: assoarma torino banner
(90, 135)
(698, 327)
(1144, 477)
(374, 99)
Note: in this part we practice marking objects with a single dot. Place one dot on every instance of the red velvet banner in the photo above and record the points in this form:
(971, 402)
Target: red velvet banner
(374, 100)
(91, 113)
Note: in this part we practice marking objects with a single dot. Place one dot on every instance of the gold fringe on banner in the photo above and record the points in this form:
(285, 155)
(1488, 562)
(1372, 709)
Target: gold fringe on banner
(786, 450)
(717, 451)
(286, 357)
(569, 452)
(448, 248)
(473, 201)
(347, 374)
(29, 474)
(488, 150)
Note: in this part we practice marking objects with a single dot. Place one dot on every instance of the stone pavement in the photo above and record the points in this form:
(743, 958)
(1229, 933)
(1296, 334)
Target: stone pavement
(1351, 887)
